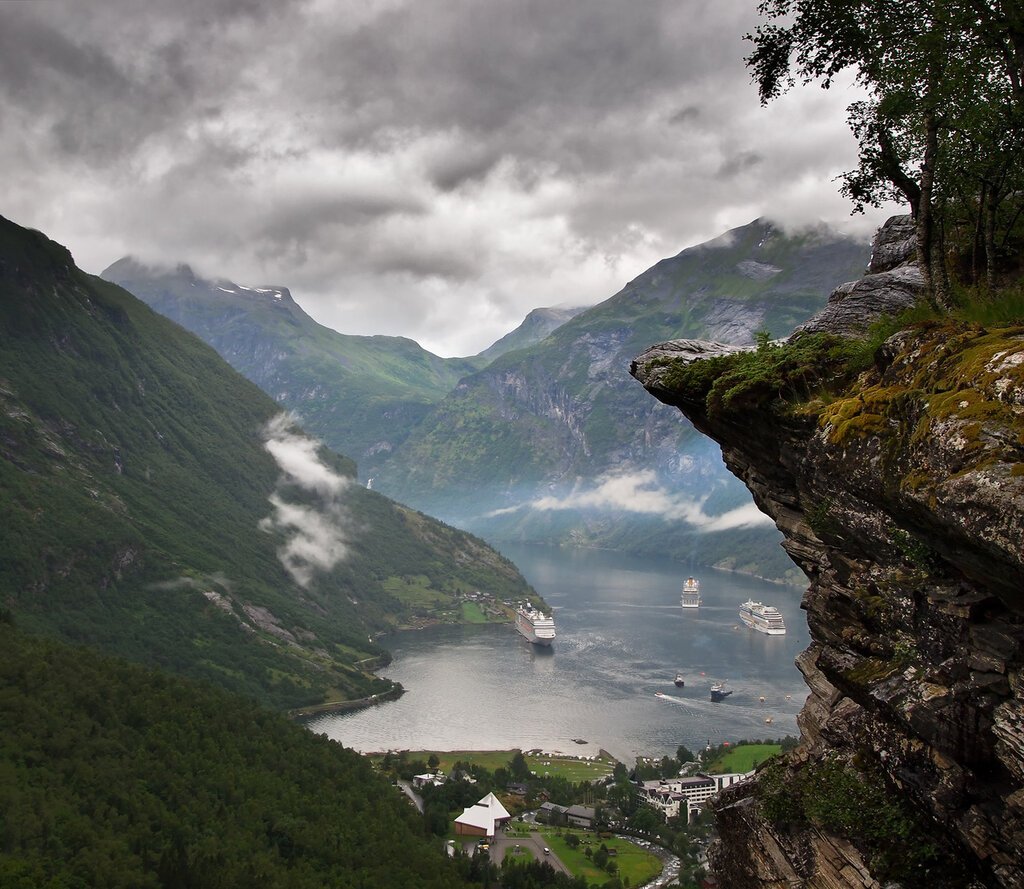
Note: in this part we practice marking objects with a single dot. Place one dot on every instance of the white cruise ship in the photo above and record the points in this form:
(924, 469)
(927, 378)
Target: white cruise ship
(536, 626)
(691, 593)
(763, 618)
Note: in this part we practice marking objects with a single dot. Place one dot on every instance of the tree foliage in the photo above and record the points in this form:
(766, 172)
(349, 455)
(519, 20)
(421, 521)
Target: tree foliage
(113, 775)
(942, 124)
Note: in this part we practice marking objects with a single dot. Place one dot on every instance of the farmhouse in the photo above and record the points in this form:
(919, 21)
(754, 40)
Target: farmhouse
(482, 819)
(550, 813)
(581, 816)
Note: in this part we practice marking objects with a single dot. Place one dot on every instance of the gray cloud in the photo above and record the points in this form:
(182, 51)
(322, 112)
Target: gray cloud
(428, 169)
(318, 531)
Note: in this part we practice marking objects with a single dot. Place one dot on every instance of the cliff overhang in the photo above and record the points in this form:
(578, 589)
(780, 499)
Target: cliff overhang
(895, 471)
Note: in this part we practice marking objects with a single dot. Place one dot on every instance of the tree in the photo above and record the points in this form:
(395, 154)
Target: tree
(684, 755)
(518, 767)
(433, 761)
(941, 125)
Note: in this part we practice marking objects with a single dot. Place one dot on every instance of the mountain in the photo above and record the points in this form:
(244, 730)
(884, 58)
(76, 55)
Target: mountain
(535, 327)
(156, 504)
(360, 394)
(550, 444)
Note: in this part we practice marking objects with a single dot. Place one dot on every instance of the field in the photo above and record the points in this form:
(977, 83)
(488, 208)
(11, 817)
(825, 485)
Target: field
(743, 758)
(634, 864)
(568, 767)
(472, 614)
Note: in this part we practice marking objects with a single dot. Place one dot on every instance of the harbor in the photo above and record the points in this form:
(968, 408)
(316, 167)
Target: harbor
(621, 637)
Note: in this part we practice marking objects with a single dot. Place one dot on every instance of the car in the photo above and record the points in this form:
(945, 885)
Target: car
(547, 851)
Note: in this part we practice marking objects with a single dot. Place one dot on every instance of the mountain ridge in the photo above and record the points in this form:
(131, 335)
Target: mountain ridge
(154, 510)
(548, 444)
(360, 394)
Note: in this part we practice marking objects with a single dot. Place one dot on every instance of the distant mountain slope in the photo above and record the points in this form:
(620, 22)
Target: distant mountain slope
(150, 507)
(360, 394)
(116, 776)
(555, 443)
(536, 326)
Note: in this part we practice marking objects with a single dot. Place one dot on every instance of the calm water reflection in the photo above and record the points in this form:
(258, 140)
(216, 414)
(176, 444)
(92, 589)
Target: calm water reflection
(621, 637)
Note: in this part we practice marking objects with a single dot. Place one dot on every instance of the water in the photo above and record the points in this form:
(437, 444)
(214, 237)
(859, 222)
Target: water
(621, 637)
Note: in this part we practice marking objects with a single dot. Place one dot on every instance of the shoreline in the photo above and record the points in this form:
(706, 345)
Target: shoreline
(392, 694)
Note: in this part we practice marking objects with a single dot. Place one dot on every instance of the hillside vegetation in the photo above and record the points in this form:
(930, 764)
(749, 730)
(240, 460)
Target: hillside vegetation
(116, 776)
(135, 485)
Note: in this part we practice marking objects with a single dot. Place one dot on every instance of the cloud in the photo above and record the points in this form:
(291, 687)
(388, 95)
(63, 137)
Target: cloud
(640, 492)
(317, 534)
(432, 170)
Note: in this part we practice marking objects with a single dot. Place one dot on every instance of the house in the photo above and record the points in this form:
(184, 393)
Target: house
(550, 813)
(483, 819)
(517, 789)
(430, 778)
(581, 816)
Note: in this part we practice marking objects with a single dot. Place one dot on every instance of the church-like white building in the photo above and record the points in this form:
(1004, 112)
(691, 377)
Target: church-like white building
(482, 819)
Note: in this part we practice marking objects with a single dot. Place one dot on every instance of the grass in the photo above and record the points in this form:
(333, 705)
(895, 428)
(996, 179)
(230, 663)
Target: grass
(571, 769)
(743, 758)
(416, 591)
(473, 614)
(634, 863)
(567, 767)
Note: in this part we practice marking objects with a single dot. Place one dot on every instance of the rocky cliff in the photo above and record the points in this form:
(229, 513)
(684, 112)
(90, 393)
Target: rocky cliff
(896, 475)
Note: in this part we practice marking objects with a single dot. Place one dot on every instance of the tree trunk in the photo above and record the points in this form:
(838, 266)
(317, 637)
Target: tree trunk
(991, 204)
(925, 210)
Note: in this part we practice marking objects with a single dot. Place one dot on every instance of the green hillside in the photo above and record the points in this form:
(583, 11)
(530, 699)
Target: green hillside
(555, 421)
(135, 486)
(360, 394)
(116, 776)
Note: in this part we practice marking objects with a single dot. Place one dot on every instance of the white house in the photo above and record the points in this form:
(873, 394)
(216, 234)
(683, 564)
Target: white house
(434, 778)
(482, 819)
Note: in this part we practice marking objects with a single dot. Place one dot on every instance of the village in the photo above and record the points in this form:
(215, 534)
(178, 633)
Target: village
(583, 815)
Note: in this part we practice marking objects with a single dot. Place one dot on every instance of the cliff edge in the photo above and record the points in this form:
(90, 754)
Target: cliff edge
(896, 474)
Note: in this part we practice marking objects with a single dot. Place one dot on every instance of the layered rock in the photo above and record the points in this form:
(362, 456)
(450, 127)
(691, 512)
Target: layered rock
(900, 492)
(892, 283)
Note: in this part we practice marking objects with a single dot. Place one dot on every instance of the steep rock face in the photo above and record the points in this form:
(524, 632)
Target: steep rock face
(901, 495)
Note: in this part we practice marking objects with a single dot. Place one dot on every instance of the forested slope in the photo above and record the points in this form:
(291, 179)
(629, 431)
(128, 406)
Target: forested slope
(145, 513)
(117, 776)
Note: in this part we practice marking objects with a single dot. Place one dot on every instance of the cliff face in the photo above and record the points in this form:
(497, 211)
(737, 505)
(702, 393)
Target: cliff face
(900, 492)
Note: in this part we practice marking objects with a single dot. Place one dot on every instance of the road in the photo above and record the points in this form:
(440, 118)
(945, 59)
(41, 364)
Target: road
(412, 794)
(534, 844)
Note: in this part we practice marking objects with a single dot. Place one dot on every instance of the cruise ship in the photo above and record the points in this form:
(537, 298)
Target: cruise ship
(691, 593)
(763, 618)
(536, 626)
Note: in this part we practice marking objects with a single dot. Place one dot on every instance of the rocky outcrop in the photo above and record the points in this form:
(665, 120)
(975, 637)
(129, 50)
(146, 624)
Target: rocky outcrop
(900, 492)
(893, 283)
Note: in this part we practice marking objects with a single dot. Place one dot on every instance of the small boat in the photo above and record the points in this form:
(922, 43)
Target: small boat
(679, 681)
(719, 692)
(767, 720)
(659, 694)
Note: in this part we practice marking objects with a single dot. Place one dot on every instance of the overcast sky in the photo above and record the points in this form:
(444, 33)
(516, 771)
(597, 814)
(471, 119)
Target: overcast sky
(427, 168)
